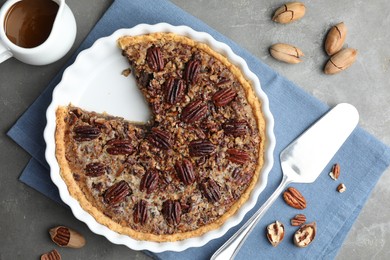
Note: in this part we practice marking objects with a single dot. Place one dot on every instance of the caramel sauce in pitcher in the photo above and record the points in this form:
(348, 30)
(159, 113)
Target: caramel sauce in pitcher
(28, 23)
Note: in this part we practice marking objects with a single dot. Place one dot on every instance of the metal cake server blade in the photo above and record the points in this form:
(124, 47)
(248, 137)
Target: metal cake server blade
(302, 161)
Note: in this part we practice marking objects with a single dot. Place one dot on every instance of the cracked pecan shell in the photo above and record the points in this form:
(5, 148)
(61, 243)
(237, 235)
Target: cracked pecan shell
(149, 181)
(117, 193)
(305, 235)
(86, 133)
(160, 139)
(194, 111)
(171, 211)
(174, 90)
(154, 58)
(140, 212)
(185, 171)
(223, 97)
(201, 147)
(66, 237)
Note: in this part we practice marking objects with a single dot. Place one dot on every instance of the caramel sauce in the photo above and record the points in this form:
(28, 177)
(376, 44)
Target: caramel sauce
(28, 23)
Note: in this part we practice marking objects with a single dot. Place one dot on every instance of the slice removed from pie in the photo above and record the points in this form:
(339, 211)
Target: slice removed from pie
(189, 168)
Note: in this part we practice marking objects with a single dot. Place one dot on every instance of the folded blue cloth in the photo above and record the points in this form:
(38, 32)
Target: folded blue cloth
(362, 158)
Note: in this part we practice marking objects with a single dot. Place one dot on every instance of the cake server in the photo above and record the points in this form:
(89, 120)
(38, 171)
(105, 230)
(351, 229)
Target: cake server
(302, 161)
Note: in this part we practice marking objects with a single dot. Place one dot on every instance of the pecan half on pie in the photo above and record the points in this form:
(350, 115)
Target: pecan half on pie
(189, 168)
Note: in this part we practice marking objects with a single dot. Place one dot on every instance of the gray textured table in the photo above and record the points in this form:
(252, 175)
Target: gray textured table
(26, 215)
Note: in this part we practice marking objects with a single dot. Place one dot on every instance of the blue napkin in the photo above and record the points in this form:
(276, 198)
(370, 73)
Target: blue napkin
(362, 158)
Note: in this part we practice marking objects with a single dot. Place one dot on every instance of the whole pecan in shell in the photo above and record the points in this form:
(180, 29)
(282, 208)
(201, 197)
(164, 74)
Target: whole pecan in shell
(201, 147)
(185, 171)
(191, 71)
(95, 169)
(149, 181)
(194, 111)
(154, 58)
(171, 211)
(211, 190)
(160, 139)
(119, 146)
(223, 97)
(117, 193)
(174, 90)
(294, 198)
(238, 156)
(140, 212)
(235, 128)
(86, 133)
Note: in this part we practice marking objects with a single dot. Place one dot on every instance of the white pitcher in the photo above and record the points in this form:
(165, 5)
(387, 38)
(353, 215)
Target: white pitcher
(59, 42)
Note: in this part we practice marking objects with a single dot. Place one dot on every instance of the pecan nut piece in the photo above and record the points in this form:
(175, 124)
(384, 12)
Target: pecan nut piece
(140, 212)
(294, 198)
(211, 190)
(117, 193)
(201, 147)
(52, 255)
(149, 181)
(174, 90)
(171, 211)
(194, 111)
(241, 178)
(95, 169)
(235, 128)
(86, 133)
(341, 188)
(160, 139)
(223, 97)
(191, 72)
(154, 58)
(335, 173)
(275, 233)
(66, 237)
(185, 171)
(298, 220)
(305, 235)
(118, 146)
(238, 156)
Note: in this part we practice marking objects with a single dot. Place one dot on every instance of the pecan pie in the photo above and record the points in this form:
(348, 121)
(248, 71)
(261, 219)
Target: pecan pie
(189, 168)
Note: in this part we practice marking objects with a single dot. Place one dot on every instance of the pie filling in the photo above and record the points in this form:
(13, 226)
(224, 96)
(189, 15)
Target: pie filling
(185, 171)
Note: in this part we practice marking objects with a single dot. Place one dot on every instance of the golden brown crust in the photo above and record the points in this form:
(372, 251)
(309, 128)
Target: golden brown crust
(76, 192)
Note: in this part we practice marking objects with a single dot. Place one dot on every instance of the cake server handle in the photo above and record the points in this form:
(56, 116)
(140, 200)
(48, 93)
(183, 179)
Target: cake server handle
(233, 245)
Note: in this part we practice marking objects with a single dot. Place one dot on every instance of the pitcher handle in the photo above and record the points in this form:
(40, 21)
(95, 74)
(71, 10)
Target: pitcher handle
(5, 53)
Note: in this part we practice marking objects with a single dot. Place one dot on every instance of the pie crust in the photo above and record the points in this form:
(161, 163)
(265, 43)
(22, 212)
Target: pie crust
(204, 144)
